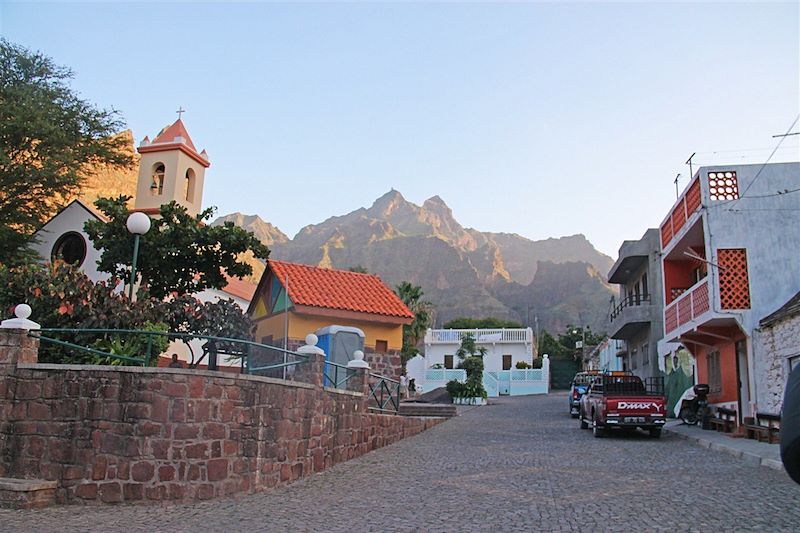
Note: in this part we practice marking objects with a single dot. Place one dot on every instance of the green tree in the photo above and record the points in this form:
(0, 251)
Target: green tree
(551, 346)
(180, 254)
(359, 269)
(469, 348)
(481, 323)
(412, 333)
(49, 138)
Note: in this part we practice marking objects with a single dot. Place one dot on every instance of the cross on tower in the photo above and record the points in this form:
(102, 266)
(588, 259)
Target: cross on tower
(180, 111)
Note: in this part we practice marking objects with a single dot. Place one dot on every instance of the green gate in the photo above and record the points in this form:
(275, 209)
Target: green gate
(562, 371)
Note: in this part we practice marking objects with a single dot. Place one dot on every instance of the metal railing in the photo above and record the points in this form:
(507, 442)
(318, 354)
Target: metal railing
(455, 336)
(249, 352)
(631, 300)
(385, 393)
(332, 374)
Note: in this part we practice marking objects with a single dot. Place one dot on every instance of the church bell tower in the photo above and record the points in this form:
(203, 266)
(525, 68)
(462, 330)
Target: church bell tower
(170, 169)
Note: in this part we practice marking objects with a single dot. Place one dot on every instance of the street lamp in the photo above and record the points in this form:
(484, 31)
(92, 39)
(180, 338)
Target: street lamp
(138, 224)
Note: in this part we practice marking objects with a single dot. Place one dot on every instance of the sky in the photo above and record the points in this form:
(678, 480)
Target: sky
(542, 119)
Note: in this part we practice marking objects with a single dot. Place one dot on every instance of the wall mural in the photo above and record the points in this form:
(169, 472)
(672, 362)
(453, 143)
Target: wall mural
(680, 369)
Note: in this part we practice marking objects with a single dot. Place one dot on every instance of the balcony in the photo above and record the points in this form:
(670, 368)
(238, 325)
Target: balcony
(633, 314)
(688, 307)
(681, 212)
(481, 336)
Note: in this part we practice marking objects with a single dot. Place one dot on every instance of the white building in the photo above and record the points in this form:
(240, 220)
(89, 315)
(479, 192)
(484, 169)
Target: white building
(504, 349)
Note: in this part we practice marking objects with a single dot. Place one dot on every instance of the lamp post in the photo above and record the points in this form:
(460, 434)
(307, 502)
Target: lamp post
(138, 224)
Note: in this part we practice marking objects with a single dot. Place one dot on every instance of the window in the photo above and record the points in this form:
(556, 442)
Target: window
(645, 292)
(506, 362)
(723, 186)
(634, 362)
(794, 362)
(70, 248)
(448, 362)
(714, 372)
(157, 186)
(645, 354)
(188, 186)
(381, 346)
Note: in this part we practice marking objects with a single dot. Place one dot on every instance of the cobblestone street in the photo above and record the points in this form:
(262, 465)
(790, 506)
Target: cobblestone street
(520, 464)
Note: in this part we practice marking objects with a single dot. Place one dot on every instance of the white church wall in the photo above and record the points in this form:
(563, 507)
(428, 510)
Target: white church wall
(70, 219)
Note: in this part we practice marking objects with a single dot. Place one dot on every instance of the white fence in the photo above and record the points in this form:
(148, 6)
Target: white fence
(454, 336)
(513, 382)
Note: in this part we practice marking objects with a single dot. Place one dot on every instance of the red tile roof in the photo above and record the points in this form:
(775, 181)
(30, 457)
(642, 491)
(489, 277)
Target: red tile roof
(168, 135)
(240, 288)
(339, 289)
(165, 141)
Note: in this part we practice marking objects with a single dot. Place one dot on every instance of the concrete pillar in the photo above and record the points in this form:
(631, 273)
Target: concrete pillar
(313, 370)
(546, 371)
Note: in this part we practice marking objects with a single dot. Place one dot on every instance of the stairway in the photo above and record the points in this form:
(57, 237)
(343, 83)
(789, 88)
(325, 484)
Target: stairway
(427, 409)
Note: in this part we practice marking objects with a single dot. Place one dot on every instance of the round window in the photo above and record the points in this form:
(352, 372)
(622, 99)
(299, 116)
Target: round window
(70, 248)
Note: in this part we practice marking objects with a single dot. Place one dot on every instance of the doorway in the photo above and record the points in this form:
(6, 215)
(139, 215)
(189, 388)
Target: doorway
(743, 377)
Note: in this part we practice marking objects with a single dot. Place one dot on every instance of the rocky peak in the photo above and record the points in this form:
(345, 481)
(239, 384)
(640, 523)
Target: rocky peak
(264, 231)
(387, 204)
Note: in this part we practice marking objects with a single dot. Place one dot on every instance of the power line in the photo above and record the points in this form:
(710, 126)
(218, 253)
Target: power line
(734, 210)
(758, 174)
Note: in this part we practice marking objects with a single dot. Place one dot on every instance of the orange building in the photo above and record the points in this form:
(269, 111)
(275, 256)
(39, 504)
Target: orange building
(729, 255)
(293, 300)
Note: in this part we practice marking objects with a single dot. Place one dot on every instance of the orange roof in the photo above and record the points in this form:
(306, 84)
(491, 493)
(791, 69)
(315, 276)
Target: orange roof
(165, 141)
(168, 135)
(339, 289)
(240, 288)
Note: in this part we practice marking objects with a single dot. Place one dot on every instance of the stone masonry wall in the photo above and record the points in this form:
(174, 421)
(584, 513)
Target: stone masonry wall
(113, 434)
(774, 345)
(387, 364)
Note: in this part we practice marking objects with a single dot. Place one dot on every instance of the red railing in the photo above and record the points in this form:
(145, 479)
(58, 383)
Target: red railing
(683, 210)
(689, 306)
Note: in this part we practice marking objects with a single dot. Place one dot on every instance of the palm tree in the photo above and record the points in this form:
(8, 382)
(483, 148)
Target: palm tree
(412, 297)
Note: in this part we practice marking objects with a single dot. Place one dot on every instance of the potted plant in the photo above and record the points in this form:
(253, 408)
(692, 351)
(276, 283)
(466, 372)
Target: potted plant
(471, 392)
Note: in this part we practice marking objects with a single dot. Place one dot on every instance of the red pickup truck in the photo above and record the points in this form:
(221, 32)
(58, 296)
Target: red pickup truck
(622, 400)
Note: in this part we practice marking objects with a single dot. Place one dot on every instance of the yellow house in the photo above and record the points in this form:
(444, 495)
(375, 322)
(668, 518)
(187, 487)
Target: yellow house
(293, 300)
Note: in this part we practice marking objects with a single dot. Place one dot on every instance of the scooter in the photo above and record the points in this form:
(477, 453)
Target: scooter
(695, 409)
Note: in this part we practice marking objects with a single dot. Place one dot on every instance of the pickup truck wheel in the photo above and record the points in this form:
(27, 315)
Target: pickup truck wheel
(597, 431)
(655, 433)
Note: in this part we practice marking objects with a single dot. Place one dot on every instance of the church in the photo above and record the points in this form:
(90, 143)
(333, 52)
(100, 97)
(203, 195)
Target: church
(170, 168)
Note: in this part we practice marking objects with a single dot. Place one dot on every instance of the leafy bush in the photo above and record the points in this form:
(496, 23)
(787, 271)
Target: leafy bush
(137, 346)
(62, 297)
(522, 365)
(473, 386)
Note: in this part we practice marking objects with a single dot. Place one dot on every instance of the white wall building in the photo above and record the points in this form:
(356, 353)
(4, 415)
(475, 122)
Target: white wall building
(504, 349)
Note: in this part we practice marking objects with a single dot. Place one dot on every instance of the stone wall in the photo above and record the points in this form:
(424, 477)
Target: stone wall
(387, 364)
(113, 434)
(775, 344)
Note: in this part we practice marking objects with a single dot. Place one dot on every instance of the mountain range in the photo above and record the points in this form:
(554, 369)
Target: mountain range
(463, 271)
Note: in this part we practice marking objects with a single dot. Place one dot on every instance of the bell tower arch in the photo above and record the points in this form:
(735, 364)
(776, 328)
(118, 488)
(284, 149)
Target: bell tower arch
(170, 169)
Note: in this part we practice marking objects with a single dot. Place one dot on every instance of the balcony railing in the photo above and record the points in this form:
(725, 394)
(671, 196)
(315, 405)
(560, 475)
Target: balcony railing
(454, 336)
(689, 306)
(629, 301)
(681, 212)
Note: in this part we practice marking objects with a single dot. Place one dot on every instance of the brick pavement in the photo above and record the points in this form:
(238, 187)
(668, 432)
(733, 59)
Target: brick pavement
(520, 464)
